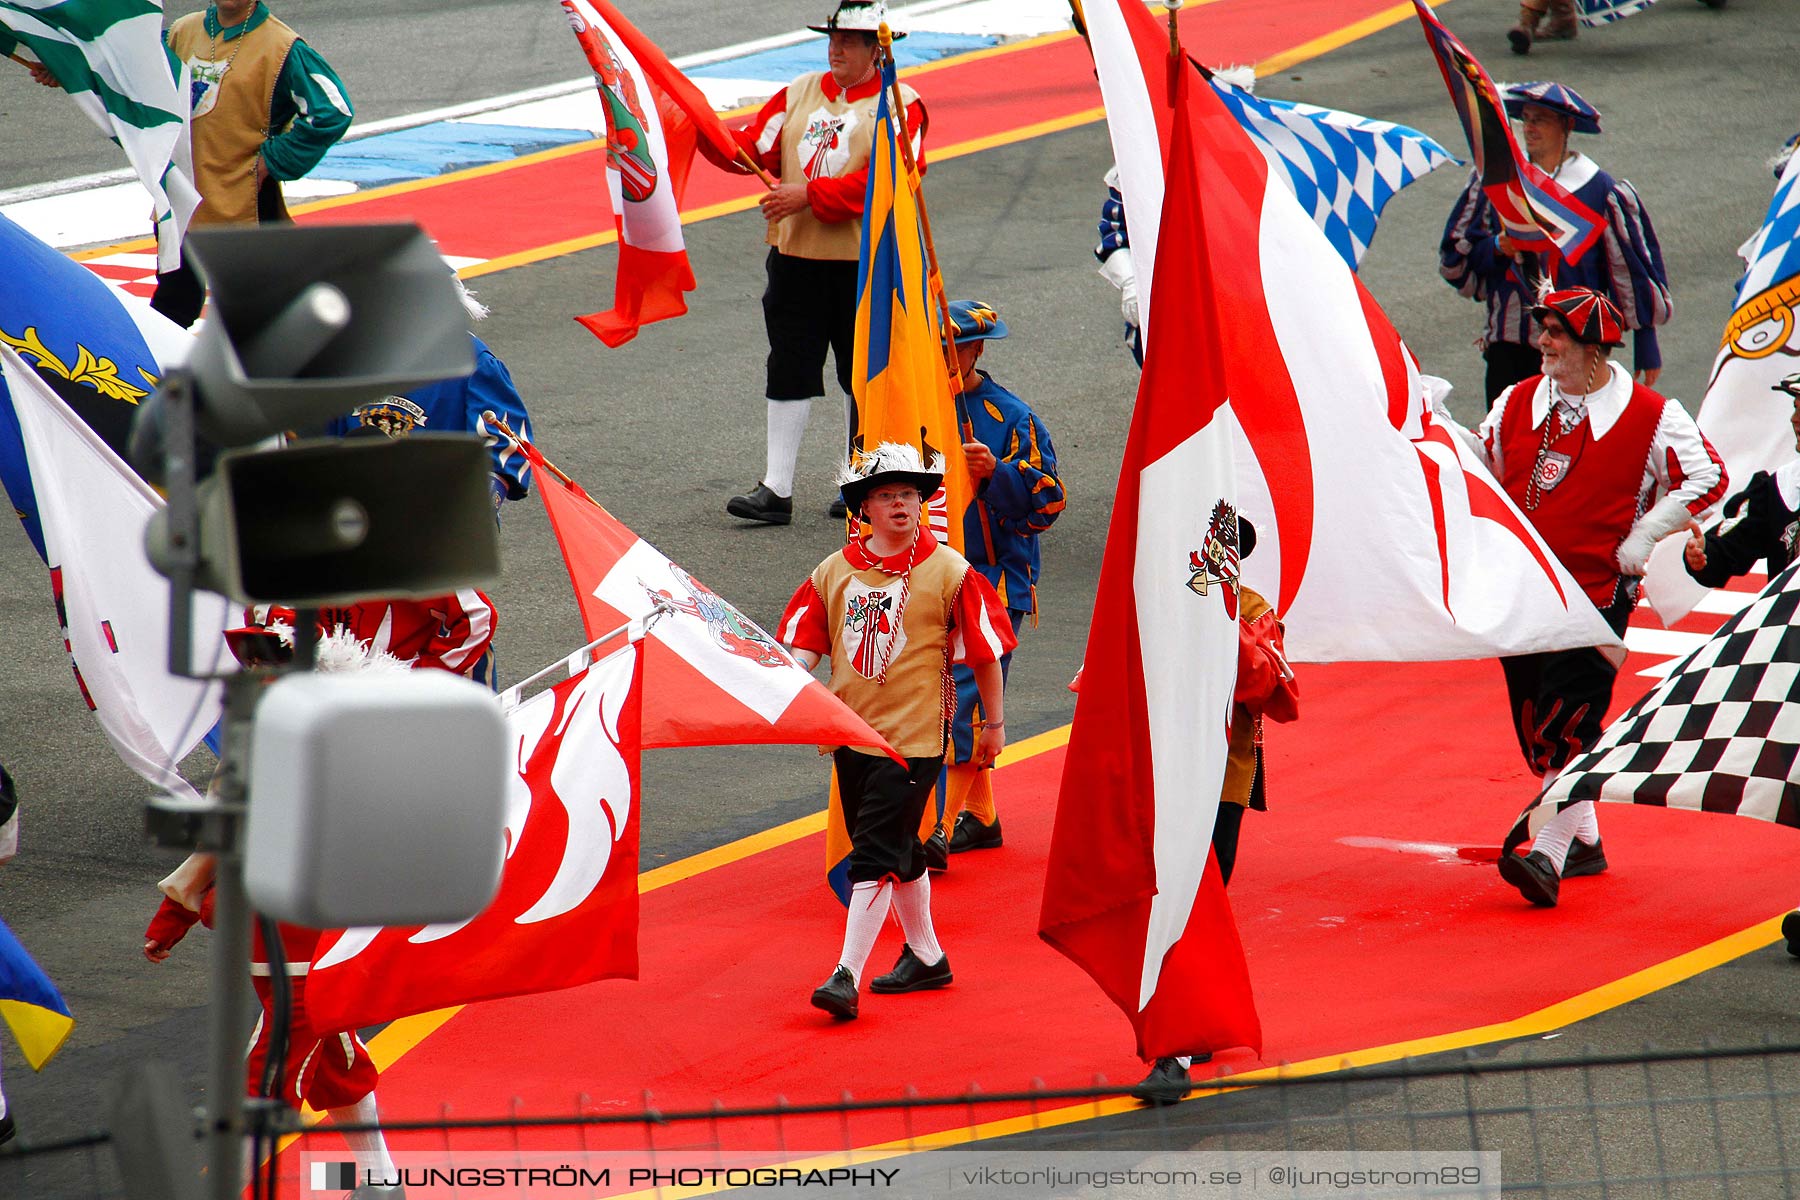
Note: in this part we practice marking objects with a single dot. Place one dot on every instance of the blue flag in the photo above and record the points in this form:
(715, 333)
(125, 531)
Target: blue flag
(30, 1003)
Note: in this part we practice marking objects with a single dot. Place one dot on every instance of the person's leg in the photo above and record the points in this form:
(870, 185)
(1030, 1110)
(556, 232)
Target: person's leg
(179, 295)
(795, 374)
(893, 806)
(1531, 12)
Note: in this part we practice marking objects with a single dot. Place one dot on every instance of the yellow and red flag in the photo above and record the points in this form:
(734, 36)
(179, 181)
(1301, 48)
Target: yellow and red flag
(900, 378)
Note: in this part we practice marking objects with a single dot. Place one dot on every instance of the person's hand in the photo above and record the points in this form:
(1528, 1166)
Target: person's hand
(1648, 376)
(1694, 553)
(989, 745)
(1505, 245)
(981, 460)
(784, 200)
(44, 75)
(156, 951)
(1128, 302)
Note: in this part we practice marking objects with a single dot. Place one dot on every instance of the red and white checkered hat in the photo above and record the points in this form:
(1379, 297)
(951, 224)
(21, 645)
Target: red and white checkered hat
(1592, 319)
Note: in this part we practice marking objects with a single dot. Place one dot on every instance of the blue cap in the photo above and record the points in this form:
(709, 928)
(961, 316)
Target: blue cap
(1554, 96)
(973, 321)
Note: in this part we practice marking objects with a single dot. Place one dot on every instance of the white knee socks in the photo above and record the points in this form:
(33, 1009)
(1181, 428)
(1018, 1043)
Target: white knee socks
(1552, 840)
(869, 903)
(369, 1148)
(912, 902)
(787, 425)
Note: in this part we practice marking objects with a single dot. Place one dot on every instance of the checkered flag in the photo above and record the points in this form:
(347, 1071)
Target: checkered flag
(1595, 13)
(1342, 168)
(1719, 734)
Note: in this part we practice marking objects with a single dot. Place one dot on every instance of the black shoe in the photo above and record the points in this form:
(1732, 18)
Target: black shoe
(1167, 1083)
(911, 975)
(1520, 37)
(972, 833)
(937, 851)
(1533, 875)
(1790, 929)
(9, 798)
(1583, 859)
(839, 510)
(1713, 3)
(762, 505)
(6, 1129)
(837, 995)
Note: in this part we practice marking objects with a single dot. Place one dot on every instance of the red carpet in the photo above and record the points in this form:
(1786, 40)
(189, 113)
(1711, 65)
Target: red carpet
(1353, 941)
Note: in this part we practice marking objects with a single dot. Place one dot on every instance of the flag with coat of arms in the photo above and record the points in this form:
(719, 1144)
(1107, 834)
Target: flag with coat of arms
(110, 57)
(653, 116)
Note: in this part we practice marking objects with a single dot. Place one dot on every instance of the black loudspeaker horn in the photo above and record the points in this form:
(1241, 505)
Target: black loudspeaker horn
(335, 521)
(308, 321)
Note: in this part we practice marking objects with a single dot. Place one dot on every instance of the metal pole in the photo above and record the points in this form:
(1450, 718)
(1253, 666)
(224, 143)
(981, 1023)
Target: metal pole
(179, 453)
(230, 948)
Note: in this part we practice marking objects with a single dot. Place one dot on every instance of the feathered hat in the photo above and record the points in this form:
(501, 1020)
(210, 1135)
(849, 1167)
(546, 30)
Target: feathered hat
(890, 462)
(858, 16)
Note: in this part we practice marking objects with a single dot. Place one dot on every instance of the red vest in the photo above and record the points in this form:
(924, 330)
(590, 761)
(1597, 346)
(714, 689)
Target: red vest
(1587, 491)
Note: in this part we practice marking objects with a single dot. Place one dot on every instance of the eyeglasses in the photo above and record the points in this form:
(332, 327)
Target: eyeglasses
(895, 496)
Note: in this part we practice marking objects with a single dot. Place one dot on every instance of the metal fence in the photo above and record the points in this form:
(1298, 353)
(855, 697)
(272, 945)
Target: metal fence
(1706, 1123)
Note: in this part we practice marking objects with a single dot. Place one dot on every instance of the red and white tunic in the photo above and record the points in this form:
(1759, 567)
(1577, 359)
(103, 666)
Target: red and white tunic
(1584, 483)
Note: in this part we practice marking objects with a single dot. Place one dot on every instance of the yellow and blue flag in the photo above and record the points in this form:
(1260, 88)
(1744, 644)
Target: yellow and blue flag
(900, 377)
(30, 1003)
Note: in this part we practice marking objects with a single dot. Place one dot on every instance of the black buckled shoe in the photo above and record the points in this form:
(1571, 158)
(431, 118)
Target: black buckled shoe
(1790, 929)
(1533, 875)
(972, 833)
(762, 505)
(911, 975)
(937, 851)
(839, 510)
(1167, 1083)
(1583, 859)
(837, 995)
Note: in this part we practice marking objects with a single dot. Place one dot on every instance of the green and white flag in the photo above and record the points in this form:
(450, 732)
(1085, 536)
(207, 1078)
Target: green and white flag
(109, 55)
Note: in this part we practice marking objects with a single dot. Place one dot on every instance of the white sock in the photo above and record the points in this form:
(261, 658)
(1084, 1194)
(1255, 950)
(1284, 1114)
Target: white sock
(1552, 840)
(369, 1148)
(912, 901)
(1186, 1060)
(787, 425)
(1588, 832)
(869, 904)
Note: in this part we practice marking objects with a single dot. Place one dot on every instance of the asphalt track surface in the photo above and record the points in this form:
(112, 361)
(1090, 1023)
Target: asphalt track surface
(664, 429)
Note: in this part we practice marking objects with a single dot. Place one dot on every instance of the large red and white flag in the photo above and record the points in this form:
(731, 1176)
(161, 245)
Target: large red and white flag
(567, 909)
(1133, 894)
(712, 676)
(1380, 534)
(653, 114)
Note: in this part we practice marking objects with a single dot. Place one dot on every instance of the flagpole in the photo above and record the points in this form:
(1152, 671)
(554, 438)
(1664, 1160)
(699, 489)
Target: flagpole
(743, 156)
(1174, 10)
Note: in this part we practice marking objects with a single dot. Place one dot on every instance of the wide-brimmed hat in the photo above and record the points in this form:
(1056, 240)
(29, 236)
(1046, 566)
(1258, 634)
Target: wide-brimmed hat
(1592, 319)
(973, 321)
(1554, 96)
(890, 462)
(859, 16)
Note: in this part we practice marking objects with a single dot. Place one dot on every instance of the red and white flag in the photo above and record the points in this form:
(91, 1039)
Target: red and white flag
(653, 114)
(1380, 534)
(1133, 894)
(567, 909)
(712, 676)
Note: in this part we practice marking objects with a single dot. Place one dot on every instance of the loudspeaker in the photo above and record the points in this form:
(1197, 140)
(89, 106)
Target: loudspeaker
(307, 321)
(375, 799)
(336, 521)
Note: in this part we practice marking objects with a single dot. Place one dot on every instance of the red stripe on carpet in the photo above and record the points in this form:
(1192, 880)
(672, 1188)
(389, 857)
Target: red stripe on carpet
(1363, 923)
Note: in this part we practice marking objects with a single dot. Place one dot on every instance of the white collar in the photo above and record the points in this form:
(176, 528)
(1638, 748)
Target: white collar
(1576, 171)
(1605, 404)
(1787, 483)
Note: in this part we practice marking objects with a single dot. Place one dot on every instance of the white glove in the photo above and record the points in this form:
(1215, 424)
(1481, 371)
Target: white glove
(1119, 271)
(1665, 517)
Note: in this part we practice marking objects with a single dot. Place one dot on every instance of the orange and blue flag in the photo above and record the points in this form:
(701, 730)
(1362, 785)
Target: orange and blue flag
(900, 377)
(30, 1003)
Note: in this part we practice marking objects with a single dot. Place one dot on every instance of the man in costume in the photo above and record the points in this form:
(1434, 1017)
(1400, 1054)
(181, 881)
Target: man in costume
(1265, 688)
(892, 612)
(1017, 497)
(1604, 468)
(1625, 265)
(266, 109)
(329, 1069)
(815, 136)
(1762, 522)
